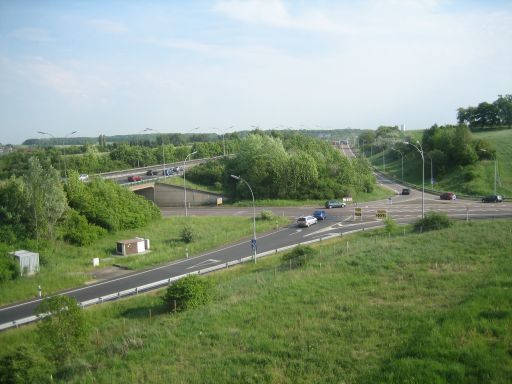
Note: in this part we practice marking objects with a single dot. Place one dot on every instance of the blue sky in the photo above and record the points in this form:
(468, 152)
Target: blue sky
(117, 67)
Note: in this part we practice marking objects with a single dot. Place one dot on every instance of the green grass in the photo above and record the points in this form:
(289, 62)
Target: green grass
(419, 308)
(66, 266)
(377, 194)
(476, 180)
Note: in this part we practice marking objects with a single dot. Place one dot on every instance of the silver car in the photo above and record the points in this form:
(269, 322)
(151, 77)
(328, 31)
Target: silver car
(306, 221)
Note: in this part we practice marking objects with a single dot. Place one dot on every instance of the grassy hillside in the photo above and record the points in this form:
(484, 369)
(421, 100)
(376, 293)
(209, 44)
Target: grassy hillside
(477, 179)
(422, 308)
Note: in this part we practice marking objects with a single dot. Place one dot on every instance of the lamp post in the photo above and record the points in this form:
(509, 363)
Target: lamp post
(402, 155)
(253, 241)
(163, 149)
(384, 158)
(495, 168)
(63, 139)
(184, 179)
(419, 148)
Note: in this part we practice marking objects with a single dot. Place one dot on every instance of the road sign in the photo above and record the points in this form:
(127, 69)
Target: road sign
(357, 212)
(381, 214)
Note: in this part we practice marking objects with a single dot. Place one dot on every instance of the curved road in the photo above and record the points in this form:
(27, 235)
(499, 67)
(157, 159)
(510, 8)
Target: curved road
(404, 209)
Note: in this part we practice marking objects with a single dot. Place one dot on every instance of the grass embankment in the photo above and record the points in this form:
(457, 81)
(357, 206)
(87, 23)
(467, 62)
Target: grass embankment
(422, 308)
(178, 180)
(476, 179)
(66, 266)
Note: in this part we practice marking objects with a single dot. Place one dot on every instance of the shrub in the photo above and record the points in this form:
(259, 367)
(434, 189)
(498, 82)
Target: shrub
(25, 365)
(9, 269)
(187, 234)
(433, 221)
(189, 292)
(390, 225)
(78, 231)
(299, 255)
(267, 214)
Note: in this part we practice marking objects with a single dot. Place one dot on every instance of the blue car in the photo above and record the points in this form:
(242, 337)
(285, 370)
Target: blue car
(319, 215)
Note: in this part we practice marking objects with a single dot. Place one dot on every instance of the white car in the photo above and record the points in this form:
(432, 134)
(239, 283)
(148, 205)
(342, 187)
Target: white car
(83, 177)
(306, 221)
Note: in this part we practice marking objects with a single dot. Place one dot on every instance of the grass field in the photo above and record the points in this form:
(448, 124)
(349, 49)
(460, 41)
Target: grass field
(415, 308)
(477, 179)
(65, 266)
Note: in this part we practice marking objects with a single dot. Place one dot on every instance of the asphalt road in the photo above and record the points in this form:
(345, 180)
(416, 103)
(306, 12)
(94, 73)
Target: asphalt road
(404, 209)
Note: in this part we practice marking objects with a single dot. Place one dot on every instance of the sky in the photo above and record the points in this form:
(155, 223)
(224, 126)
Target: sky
(118, 67)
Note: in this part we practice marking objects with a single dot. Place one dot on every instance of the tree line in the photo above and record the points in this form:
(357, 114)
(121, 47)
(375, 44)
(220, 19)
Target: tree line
(487, 115)
(287, 166)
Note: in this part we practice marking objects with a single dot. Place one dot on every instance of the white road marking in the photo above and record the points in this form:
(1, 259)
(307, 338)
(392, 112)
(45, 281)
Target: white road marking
(205, 262)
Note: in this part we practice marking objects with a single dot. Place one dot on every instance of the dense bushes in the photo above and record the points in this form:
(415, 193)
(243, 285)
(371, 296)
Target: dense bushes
(190, 292)
(9, 269)
(298, 256)
(109, 205)
(432, 221)
(297, 167)
(77, 230)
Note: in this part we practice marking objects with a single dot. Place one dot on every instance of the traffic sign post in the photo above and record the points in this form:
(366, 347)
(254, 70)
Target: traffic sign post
(381, 214)
(358, 213)
(254, 245)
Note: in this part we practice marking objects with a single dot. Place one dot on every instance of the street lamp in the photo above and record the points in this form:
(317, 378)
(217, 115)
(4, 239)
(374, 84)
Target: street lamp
(402, 155)
(253, 241)
(163, 149)
(63, 139)
(184, 179)
(419, 148)
(495, 168)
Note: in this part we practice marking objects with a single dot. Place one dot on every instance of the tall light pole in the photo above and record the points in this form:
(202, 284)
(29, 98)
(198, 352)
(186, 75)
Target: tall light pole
(163, 149)
(495, 168)
(63, 139)
(384, 158)
(402, 155)
(419, 148)
(184, 179)
(253, 241)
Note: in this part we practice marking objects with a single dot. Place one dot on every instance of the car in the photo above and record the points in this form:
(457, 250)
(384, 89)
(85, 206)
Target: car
(306, 221)
(319, 215)
(167, 172)
(406, 191)
(492, 199)
(150, 172)
(448, 196)
(134, 178)
(335, 204)
(83, 177)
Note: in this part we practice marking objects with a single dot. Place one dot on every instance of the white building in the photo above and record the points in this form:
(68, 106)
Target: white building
(28, 261)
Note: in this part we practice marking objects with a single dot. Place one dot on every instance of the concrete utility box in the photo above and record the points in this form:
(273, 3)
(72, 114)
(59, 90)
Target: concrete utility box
(28, 261)
(132, 246)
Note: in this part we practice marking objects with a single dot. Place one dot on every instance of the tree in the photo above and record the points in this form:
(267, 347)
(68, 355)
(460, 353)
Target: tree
(64, 330)
(46, 199)
(504, 107)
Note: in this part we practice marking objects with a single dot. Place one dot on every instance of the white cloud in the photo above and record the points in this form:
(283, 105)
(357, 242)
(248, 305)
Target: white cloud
(37, 35)
(109, 26)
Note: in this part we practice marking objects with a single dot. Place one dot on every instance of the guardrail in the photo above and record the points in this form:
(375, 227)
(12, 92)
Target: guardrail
(162, 283)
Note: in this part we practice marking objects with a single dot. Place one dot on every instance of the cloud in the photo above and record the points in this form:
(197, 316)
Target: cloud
(109, 26)
(36, 35)
(274, 13)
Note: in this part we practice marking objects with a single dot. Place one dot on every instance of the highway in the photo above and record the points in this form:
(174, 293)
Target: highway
(403, 209)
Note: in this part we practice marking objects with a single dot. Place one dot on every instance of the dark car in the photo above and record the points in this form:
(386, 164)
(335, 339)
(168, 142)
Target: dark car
(319, 215)
(134, 178)
(150, 172)
(406, 191)
(334, 204)
(167, 172)
(448, 196)
(492, 199)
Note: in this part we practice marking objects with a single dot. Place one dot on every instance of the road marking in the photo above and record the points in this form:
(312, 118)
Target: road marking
(296, 232)
(205, 262)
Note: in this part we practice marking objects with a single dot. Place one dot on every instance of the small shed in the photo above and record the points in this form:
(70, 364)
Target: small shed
(132, 246)
(28, 261)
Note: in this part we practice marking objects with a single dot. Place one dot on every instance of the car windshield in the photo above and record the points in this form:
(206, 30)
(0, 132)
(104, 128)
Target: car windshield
(302, 219)
(317, 213)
